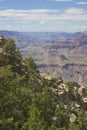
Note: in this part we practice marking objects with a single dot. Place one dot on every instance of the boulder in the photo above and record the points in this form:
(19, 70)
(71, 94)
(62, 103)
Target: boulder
(82, 91)
(72, 117)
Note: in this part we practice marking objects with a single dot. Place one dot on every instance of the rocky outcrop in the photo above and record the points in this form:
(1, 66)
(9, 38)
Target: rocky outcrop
(82, 91)
(69, 93)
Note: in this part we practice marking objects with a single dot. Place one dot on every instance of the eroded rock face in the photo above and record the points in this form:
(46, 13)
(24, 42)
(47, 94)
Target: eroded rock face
(46, 76)
(71, 93)
(84, 105)
(82, 91)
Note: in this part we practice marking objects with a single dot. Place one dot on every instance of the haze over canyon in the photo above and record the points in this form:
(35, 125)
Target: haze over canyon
(57, 53)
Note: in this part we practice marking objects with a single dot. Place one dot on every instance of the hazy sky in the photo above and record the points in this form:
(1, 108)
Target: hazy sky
(43, 15)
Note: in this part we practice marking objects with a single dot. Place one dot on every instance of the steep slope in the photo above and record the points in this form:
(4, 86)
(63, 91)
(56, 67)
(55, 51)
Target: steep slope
(37, 101)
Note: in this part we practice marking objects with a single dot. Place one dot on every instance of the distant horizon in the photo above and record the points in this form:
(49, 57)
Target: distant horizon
(43, 31)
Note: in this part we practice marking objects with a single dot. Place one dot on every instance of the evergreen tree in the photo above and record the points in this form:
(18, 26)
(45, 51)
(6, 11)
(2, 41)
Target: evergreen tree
(35, 121)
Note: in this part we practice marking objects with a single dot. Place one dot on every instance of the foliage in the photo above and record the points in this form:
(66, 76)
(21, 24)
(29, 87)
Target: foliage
(12, 54)
(27, 101)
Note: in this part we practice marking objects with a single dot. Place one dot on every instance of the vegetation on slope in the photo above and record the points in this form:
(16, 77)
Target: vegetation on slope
(29, 101)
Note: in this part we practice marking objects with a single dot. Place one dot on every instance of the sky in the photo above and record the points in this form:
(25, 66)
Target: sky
(43, 15)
